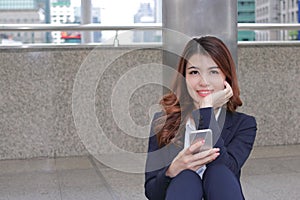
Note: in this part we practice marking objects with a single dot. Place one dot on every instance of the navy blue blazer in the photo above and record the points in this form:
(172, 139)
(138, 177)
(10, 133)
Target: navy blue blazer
(235, 141)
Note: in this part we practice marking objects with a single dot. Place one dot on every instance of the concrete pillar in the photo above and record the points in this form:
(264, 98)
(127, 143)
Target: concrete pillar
(183, 19)
(86, 18)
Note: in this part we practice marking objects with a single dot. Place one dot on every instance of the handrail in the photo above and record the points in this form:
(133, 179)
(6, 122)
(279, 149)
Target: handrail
(77, 27)
(143, 26)
(137, 26)
(268, 26)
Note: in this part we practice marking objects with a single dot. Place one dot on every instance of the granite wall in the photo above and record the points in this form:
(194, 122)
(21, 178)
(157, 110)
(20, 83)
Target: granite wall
(59, 102)
(269, 81)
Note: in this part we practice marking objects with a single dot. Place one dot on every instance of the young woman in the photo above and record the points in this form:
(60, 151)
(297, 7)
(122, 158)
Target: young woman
(205, 95)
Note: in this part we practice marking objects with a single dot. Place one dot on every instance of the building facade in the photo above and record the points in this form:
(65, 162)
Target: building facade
(148, 13)
(289, 11)
(18, 4)
(21, 12)
(267, 11)
(246, 14)
(61, 12)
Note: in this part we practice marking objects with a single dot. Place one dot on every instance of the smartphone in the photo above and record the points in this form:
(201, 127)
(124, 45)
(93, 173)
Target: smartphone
(204, 134)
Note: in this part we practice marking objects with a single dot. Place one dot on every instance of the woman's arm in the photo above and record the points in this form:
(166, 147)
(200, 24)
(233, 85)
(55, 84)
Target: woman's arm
(156, 181)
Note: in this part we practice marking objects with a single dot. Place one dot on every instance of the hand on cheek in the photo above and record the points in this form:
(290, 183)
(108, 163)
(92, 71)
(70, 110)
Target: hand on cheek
(219, 98)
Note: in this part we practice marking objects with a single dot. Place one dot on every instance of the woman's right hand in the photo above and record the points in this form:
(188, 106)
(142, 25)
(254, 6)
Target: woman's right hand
(217, 99)
(190, 158)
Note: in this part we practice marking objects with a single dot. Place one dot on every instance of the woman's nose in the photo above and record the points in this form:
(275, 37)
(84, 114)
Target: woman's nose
(203, 81)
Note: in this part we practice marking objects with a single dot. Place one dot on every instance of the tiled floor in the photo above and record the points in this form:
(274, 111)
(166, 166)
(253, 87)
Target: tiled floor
(271, 173)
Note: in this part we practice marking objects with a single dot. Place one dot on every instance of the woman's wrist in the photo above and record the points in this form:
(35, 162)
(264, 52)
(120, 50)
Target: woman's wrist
(169, 172)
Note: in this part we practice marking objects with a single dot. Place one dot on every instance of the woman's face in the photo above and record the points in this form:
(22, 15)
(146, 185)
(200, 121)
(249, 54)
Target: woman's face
(203, 77)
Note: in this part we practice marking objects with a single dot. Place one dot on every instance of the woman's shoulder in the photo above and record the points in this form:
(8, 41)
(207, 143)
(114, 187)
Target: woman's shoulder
(242, 114)
(156, 119)
(157, 115)
(242, 117)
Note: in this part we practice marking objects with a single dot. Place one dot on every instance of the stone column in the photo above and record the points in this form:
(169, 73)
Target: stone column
(86, 18)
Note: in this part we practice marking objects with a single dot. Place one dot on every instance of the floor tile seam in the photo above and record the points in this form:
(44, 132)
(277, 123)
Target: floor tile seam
(82, 186)
(58, 180)
(43, 158)
(276, 149)
(101, 176)
(268, 174)
(123, 172)
(272, 174)
(274, 157)
(75, 169)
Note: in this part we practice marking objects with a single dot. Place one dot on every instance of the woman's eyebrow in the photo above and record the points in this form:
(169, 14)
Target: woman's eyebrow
(193, 67)
(213, 67)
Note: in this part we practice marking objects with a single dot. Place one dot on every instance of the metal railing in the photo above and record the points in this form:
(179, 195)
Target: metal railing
(76, 27)
(148, 26)
(143, 26)
(267, 26)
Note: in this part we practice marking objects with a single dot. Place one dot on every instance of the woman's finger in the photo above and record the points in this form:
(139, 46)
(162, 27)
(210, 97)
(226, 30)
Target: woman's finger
(199, 163)
(194, 147)
(204, 154)
(228, 90)
(204, 157)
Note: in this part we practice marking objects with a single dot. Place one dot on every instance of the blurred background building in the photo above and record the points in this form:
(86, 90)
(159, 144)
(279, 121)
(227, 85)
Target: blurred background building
(289, 13)
(61, 13)
(145, 14)
(268, 11)
(246, 14)
(22, 12)
(148, 12)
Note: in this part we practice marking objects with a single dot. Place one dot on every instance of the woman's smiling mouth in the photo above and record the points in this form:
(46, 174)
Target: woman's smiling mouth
(204, 93)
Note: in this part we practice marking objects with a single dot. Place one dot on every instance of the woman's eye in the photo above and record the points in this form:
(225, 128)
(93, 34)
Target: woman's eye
(214, 72)
(194, 72)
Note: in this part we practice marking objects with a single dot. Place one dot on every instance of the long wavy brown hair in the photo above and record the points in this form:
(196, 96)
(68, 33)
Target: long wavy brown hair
(178, 104)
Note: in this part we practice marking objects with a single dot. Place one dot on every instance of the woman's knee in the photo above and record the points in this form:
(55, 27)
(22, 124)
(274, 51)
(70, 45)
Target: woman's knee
(219, 173)
(220, 182)
(213, 169)
(188, 176)
(186, 185)
(188, 173)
